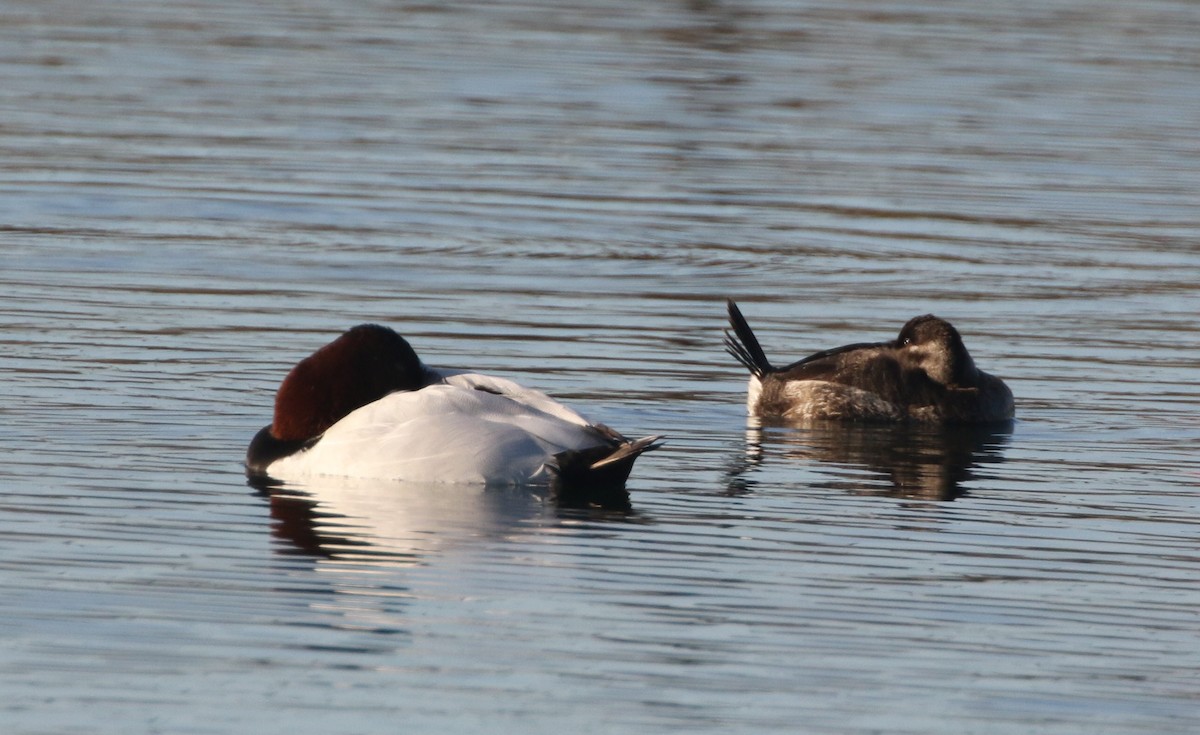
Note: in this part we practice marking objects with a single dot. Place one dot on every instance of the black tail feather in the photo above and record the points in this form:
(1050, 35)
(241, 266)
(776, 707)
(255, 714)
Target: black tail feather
(580, 473)
(743, 345)
(629, 451)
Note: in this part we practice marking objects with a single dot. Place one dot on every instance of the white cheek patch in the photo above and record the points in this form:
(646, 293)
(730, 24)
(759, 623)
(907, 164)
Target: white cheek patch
(934, 361)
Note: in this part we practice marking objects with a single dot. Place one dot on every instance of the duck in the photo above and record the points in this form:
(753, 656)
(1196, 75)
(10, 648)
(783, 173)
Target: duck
(366, 406)
(924, 375)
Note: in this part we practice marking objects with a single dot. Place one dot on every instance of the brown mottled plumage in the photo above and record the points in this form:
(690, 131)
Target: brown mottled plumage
(925, 374)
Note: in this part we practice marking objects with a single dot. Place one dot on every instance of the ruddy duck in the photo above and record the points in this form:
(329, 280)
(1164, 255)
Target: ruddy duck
(366, 406)
(925, 374)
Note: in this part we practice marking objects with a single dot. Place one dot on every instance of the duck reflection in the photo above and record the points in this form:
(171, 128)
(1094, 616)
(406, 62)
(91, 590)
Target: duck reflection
(928, 462)
(401, 523)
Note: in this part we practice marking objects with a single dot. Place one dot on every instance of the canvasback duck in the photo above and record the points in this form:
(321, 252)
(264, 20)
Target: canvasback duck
(925, 374)
(366, 406)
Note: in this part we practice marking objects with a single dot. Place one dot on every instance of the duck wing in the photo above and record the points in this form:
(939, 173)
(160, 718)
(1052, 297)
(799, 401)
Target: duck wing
(848, 364)
(606, 461)
(527, 398)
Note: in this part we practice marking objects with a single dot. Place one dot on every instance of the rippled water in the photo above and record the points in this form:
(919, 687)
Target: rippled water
(194, 196)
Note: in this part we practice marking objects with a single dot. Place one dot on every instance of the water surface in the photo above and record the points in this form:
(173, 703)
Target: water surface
(195, 196)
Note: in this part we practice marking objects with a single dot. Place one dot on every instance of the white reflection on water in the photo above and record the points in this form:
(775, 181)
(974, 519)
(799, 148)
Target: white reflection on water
(402, 523)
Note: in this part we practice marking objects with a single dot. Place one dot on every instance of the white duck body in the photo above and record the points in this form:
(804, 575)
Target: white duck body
(462, 427)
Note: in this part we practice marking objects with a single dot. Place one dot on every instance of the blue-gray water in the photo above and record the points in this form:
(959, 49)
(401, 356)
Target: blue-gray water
(193, 196)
